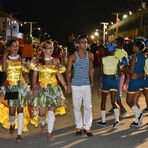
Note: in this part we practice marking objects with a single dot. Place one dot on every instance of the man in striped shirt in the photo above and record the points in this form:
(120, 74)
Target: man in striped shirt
(80, 85)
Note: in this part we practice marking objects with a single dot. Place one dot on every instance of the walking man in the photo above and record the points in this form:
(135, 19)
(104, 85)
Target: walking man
(81, 85)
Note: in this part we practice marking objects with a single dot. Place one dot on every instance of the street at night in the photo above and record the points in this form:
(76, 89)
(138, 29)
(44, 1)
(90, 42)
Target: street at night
(74, 74)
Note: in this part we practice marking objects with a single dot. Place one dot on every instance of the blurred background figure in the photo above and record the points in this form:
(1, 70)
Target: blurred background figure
(70, 44)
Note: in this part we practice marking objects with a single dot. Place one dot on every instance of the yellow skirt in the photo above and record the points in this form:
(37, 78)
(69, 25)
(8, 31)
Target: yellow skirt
(4, 116)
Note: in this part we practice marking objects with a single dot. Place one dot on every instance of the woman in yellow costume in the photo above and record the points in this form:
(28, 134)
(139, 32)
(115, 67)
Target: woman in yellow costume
(50, 96)
(15, 87)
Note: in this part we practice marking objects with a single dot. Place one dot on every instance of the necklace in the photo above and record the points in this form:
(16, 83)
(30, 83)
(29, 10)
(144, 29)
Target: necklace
(48, 59)
(13, 58)
(82, 60)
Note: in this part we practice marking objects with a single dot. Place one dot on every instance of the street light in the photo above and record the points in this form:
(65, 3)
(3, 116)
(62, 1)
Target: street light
(130, 13)
(92, 37)
(112, 23)
(38, 28)
(125, 16)
(31, 23)
(96, 34)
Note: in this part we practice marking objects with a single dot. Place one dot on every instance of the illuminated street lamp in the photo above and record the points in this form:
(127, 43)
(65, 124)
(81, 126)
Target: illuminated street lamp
(36, 28)
(130, 13)
(31, 23)
(96, 34)
(92, 37)
(125, 16)
(111, 23)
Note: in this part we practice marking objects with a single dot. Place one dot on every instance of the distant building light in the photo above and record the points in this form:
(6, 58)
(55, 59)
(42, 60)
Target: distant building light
(97, 30)
(21, 24)
(125, 16)
(15, 22)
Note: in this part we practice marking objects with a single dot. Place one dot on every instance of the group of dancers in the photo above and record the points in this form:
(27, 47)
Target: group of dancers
(135, 70)
(40, 102)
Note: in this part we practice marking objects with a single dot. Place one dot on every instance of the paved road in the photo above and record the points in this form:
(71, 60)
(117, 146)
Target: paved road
(104, 137)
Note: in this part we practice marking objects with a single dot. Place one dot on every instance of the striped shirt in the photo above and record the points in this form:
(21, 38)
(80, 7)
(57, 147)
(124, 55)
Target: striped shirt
(81, 71)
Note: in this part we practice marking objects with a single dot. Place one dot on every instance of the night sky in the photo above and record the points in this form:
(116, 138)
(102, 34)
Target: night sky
(60, 17)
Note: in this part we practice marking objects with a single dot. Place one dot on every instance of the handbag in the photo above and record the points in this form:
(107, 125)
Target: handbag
(11, 95)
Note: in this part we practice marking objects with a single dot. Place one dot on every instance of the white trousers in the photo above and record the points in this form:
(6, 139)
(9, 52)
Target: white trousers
(80, 93)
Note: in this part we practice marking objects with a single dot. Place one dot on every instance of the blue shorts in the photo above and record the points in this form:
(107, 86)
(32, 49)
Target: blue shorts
(146, 83)
(109, 83)
(136, 85)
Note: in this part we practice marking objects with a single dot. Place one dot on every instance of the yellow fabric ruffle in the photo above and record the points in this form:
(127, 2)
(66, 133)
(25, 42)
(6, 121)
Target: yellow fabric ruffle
(60, 111)
(4, 117)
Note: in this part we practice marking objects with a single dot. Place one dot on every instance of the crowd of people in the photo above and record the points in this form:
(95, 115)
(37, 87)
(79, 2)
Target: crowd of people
(32, 91)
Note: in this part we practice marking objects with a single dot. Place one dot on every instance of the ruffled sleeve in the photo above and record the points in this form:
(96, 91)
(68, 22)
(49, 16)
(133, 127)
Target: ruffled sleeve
(61, 69)
(25, 67)
(32, 66)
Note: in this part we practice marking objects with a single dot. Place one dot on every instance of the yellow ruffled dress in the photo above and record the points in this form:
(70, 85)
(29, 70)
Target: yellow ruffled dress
(47, 75)
(13, 75)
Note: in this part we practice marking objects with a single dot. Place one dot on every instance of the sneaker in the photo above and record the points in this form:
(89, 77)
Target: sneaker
(19, 138)
(134, 124)
(100, 123)
(115, 125)
(11, 129)
(145, 109)
(88, 132)
(78, 131)
(140, 119)
(123, 112)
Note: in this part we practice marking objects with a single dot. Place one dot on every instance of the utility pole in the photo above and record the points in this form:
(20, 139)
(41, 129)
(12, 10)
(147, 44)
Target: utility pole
(30, 23)
(104, 27)
(117, 21)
